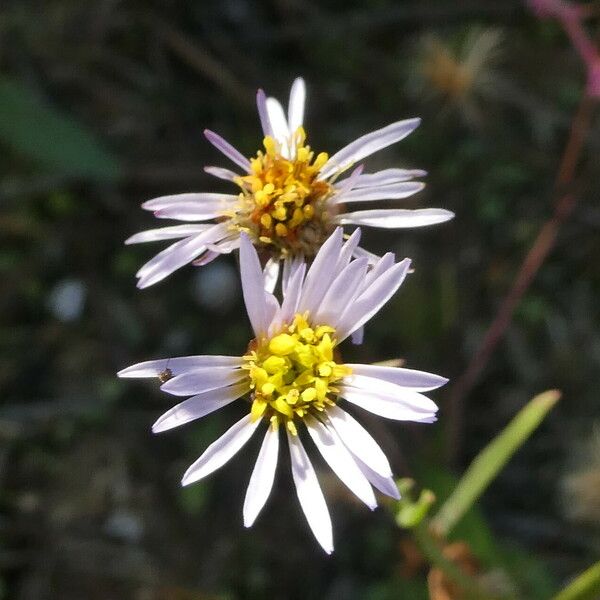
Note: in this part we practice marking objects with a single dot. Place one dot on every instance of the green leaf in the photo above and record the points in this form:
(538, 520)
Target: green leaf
(584, 587)
(53, 140)
(491, 460)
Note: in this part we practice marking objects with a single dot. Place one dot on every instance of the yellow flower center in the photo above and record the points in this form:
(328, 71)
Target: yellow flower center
(282, 204)
(293, 373)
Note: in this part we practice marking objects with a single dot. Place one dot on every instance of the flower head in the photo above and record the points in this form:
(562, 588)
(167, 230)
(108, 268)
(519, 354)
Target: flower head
(289, 199)
(292, 377)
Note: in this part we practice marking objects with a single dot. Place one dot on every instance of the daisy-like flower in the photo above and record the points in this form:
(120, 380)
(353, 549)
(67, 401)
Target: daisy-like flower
(289, 198)
(293, 378)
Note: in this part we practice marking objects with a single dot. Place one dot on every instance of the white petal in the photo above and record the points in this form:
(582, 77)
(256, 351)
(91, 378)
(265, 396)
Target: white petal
(261, 480)
(320, 273)
(199, 406)
(360, 252)
(310, 494)
(221, 173)
(202, 200)
(253, 287)
(395, 218)
(203, 380)
(279, 124)
(395, 191)
(193, 212)
(222, 450)
(271, 309)
(290, 266)
(419, 381)
(226, 245)
(372, 299)
(358, 336)
(348, 249)
(341, 461)
(227, 149)
(342, 290)
(359, 440)
(385, 177)
(382, 264)
(386, 485)
(205, 258)
(271, 274)
(166, 233)
(177, 255)
(151, 368)
(390, 408)
(367, 145)
(296, 104)
(263, 113)
(348, 183)
(291, 298)
(387, 390)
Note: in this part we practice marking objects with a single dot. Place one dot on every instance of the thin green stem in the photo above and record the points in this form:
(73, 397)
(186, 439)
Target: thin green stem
(584, 587)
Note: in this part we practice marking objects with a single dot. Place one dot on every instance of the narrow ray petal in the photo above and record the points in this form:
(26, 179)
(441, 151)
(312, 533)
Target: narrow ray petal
(151, 368)
(359, 440)
(348, 184)
(203, 380)
(253, 286)
(390, 408)
(221, 451)
(395, 191)
(390, 391)
(166, 233)
(263, 113)
(289, 306)
(279, 124)
(221, 173)
(261, 480)
(321, 271)
(271, 274)
(227, 149)
(348, 249)
(419, 381)
(342, 290)
(395, 218)
(177, 255)
(385, 177)
(361, 252)
(296, 104)
(290, 265)
(310, 494)
(205, 200)
(367, 145)
(199, 406)
(341, 461)
(170, 259)
(372, 299)
(386, 485)
(193, 212)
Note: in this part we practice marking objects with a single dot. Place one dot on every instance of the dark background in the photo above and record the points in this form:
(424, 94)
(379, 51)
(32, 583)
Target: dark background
(102, 106)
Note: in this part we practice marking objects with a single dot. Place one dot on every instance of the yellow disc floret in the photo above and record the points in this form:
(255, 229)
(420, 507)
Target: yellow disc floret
(282, 203)
(293, 374)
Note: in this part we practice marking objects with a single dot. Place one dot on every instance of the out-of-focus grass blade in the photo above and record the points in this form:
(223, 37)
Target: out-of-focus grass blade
(584, 587)
(50, 138)
(491, 460)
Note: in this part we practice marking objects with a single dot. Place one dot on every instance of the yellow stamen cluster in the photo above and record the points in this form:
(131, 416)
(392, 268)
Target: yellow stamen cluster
(293, 373)
(282, 205)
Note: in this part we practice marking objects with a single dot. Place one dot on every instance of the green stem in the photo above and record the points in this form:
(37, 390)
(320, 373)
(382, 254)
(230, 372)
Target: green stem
(584, 587)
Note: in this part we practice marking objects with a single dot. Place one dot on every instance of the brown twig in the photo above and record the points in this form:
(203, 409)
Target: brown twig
(543, 244)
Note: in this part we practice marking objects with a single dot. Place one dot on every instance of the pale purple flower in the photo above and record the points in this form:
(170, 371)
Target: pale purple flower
(291, 379)
(289, 198)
